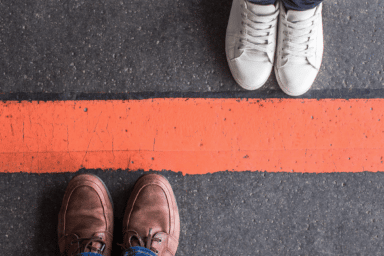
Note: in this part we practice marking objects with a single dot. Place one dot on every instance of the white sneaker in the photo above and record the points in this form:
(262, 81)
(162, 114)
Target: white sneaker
(251, 42)
(299, 49)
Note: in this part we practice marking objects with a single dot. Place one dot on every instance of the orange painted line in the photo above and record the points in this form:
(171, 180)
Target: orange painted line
(193, 136)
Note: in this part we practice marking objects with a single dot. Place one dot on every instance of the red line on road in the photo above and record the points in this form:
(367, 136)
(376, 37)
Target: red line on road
(193, 136)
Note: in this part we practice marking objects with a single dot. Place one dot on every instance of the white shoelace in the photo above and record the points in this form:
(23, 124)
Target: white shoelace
(257, 31)
(300, 37)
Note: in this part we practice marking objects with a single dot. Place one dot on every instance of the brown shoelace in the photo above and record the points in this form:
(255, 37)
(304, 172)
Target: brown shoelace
(148, 241)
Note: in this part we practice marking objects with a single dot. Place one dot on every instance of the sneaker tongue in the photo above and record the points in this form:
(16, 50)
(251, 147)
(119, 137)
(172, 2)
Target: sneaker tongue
(261, 9)
(295, 16)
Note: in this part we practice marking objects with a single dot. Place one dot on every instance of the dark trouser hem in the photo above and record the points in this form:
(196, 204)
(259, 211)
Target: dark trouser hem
(263, 2)
(298, 5)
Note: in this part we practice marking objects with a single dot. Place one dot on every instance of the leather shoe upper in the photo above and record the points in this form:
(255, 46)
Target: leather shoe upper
(151, 218)
(86, 217)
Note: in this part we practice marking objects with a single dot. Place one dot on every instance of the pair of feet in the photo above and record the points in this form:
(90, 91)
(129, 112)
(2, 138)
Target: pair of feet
(256, 33)
(151, 220)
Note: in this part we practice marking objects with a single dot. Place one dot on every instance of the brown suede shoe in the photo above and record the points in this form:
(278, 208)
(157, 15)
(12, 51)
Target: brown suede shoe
(86, 217)
(151, 218)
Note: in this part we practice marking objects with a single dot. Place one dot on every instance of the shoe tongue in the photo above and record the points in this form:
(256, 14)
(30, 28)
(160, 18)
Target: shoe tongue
(261, 9)
(93, 247)
(295, 16)
(135, 242)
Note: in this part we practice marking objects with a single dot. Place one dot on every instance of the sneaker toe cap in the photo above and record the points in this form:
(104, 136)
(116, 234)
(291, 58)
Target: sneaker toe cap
(250, 75)
(296, 80)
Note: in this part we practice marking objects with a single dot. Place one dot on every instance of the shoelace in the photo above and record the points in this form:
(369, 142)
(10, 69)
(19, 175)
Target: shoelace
(148, 242)
(299, 37)
(257, 30)
(81, 247)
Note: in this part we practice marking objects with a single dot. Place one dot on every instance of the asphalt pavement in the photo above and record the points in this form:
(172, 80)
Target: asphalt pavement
(128, 49)
(131, 46)
(227, 213)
